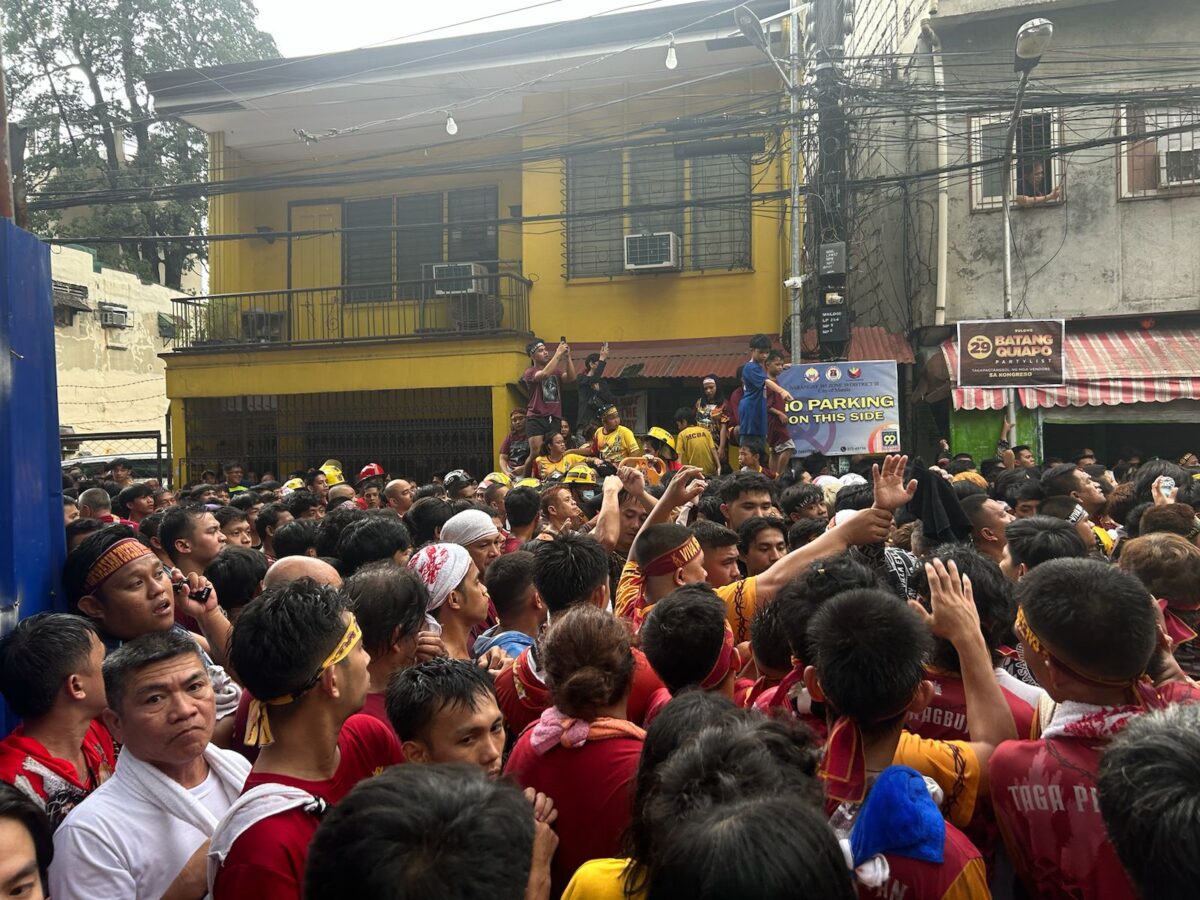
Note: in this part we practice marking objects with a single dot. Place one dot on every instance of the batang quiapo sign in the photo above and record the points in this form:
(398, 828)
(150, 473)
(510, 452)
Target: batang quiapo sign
(1011, 353)
(843, 407)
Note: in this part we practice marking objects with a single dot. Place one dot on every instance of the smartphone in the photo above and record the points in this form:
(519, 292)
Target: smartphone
(1167, 486)
(199, 596)
(563, 339)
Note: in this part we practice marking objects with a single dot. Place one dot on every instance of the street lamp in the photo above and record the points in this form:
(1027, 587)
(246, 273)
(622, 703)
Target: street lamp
(1033, 39)
(754, 30)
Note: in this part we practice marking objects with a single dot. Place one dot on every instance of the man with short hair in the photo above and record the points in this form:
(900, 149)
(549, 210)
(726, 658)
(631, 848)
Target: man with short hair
(744, 495)
(121, 471)
(762, 542)
(514, 449)
(95, 503)
(70, 510)
(192, 537)
(445, 711)
(1023, 457)
(694, 443)
(235, 525)
(435, 832)
(1035, 540)
(523, 507)
(237, 576)
(689, 644)
(50, 677)
(543, 380)
(1026, 499)
(251, 503)
(612, 441)
(1089, 632)
(1068, 480)
(233, 472)
(560, 512)
(270, 519)
(300, 654)
(135, 502)
(339, 494)
(297, 538)
(398, 495)
(303, 504)
(989, 519)
(568, 571)
(719, 547)
(1147, 784)
(375, 537)
(804, 501)
(519, 607)
(145, 831)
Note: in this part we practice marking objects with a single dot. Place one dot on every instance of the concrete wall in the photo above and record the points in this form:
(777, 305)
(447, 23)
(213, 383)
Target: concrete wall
(110, 379)
(1095, 254)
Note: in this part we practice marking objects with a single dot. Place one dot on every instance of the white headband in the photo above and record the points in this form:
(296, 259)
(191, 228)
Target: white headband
(468, 526)
(442, 567)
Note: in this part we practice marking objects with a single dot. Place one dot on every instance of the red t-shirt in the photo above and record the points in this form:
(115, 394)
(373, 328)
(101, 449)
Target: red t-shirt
(523, 697)
(266, 862)
(592, 788)
(1048, 810)
(29, 766)
(945, 718)
(545, 396)
(959, 876)
(777, 432)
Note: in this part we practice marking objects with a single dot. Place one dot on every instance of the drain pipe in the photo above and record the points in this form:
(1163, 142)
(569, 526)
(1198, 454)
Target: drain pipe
(943, 161)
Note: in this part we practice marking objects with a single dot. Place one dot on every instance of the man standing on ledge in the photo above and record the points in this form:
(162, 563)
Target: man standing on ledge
(752, 410)
(542, 381)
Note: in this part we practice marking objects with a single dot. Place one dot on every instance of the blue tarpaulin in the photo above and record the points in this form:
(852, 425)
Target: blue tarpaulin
(32, 543)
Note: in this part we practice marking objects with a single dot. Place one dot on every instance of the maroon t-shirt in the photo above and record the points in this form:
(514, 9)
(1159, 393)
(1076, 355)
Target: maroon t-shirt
(545, 396)
(592, 788)
(945, 718)
(777, 432)
(266, 862)
(1048, 809)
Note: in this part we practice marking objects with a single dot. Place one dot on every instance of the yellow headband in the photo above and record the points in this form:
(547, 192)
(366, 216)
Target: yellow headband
(258, 728)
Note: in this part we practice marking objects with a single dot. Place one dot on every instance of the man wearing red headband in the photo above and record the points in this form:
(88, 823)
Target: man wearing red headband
(665, 556)
(689, 644)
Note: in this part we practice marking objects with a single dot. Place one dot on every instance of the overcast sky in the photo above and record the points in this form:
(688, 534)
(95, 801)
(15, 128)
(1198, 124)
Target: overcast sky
(302, 27)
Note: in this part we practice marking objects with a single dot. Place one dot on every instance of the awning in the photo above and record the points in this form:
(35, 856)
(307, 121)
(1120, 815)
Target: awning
(1104, 368)
(697, 357)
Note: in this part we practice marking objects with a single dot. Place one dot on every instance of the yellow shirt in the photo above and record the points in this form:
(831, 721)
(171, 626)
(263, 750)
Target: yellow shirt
(952, 764)
(696, 448)
(600, 879)
(616, 446)
(545, 466)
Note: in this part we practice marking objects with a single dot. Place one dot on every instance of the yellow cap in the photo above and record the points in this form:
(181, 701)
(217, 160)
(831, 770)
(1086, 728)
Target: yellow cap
(580, 473)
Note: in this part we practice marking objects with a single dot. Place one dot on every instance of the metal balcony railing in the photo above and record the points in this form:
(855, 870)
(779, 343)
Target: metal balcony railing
(479, 305)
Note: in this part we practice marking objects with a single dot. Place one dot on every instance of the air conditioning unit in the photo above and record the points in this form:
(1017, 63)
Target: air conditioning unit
(460, 278)
(114, 317)
(657, 252)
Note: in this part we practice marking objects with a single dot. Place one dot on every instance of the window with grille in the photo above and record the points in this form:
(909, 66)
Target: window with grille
(705, 200)
(411, 238)
(1036, 169)
(1165, 164)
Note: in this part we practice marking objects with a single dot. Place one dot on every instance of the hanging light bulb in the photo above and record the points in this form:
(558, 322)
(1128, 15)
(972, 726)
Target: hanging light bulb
(451, 125)
(672, 59)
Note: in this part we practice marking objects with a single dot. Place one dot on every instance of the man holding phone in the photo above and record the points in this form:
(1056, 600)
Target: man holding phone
(544, 383)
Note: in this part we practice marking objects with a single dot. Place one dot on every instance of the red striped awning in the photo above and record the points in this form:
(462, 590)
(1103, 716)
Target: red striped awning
(1105, 368)
(697, 357)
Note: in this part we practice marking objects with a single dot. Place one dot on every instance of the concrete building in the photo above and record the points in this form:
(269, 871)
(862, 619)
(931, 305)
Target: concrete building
(1105, 223)
(110, 329)
(423, 209)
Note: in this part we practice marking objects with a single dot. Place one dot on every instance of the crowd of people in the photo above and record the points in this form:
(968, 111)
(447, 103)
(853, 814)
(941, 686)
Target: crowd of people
(606, 671)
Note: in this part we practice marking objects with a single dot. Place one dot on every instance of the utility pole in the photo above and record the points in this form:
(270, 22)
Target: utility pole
(832, 22)
(6, 196)
(795, 277)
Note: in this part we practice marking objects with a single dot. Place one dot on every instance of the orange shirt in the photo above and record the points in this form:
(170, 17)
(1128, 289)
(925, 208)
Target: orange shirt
(740, 599)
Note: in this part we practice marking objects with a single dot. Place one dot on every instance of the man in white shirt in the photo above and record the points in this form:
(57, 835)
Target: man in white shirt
(145, 832)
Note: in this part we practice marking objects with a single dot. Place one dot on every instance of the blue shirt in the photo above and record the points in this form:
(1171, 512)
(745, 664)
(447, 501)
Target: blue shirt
(752, 411)
(511, 642)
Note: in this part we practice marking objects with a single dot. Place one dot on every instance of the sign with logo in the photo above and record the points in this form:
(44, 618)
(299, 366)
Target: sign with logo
(1011, 353)
(843, 407)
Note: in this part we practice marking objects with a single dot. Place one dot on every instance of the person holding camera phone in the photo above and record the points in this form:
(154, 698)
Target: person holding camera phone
(544, 379)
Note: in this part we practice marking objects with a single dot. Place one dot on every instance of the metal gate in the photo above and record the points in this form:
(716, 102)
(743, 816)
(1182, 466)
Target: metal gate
(94, 451)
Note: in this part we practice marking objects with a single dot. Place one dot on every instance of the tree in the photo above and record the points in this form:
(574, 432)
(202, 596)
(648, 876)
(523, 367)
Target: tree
(76, 77)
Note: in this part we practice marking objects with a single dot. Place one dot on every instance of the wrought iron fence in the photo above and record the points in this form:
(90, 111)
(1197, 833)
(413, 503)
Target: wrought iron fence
(410, 432)
(464, 302)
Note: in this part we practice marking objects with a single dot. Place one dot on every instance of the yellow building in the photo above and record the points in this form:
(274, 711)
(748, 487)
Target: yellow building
(390, 273)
